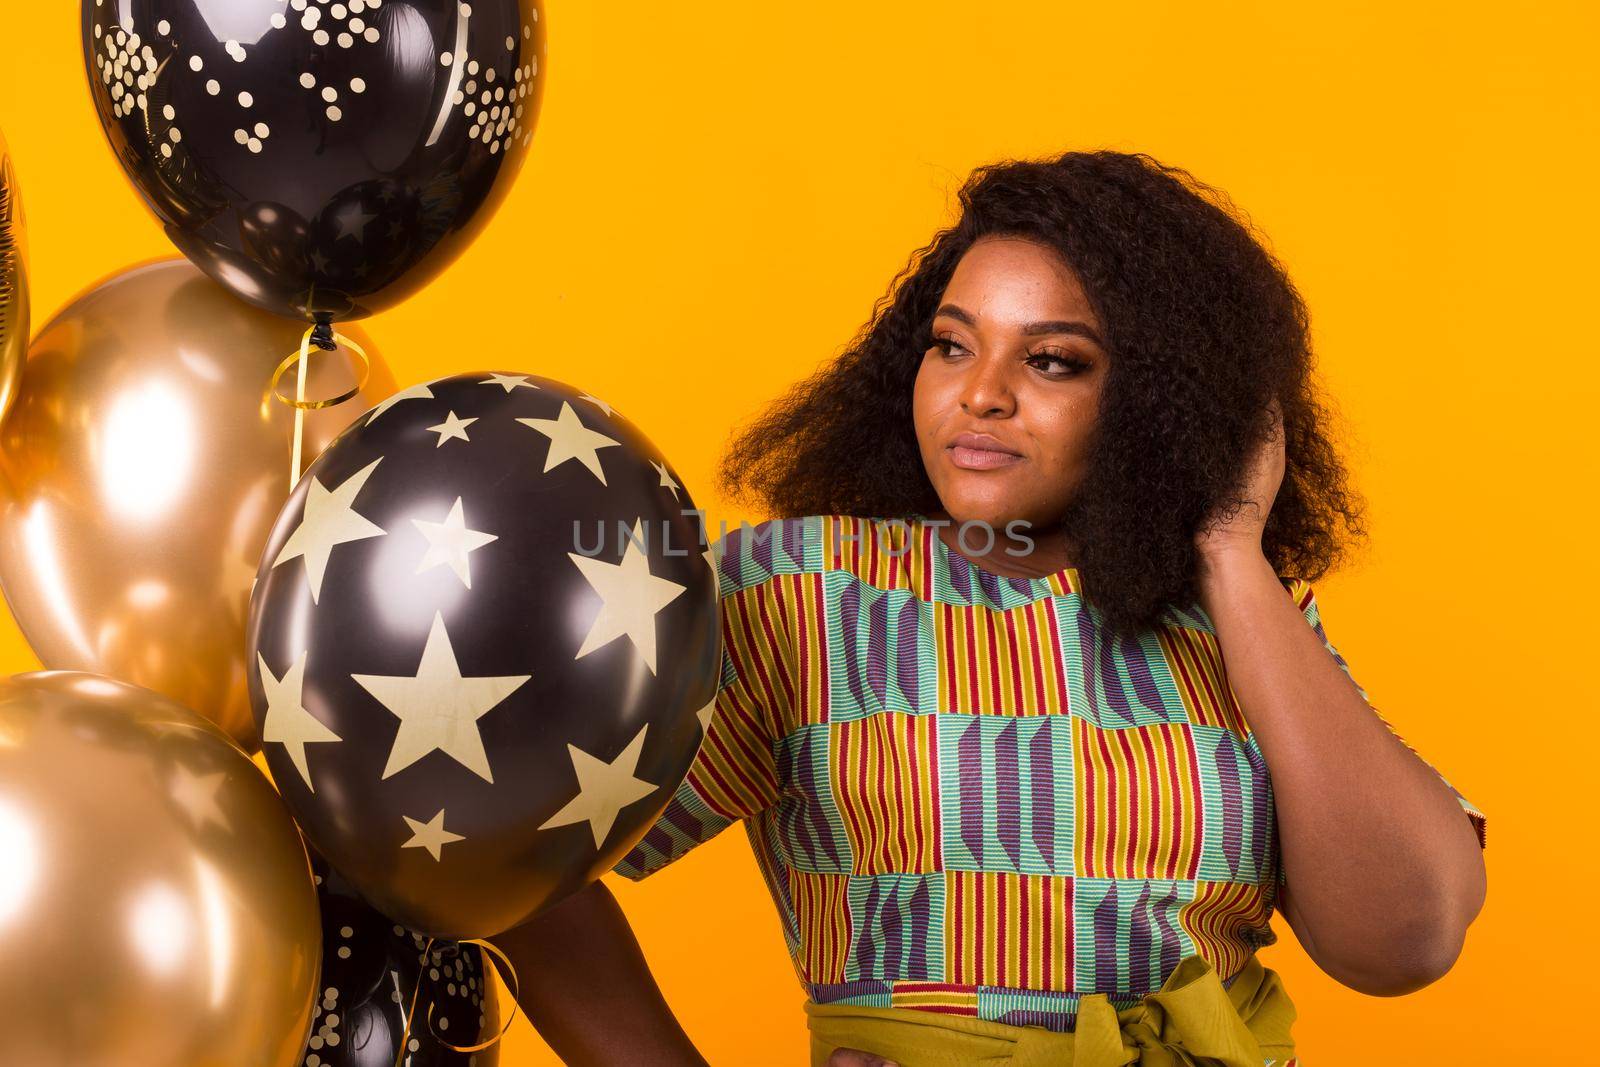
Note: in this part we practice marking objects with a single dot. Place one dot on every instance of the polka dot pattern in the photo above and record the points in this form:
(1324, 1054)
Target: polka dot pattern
(497, 114)
(213, 115)
(497, 79)
(351, 1015)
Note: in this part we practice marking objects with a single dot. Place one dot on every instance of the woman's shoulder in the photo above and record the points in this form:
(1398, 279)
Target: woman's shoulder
(750, 554)
(887, 550)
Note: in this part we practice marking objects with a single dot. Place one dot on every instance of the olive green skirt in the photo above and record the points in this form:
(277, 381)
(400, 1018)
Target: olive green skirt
(1191, 1021)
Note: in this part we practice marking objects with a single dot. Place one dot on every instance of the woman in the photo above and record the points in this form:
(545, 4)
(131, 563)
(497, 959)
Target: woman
(1026, 703)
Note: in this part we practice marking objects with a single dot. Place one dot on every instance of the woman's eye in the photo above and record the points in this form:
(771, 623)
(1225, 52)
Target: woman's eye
(1057, 364)
(1064, 365)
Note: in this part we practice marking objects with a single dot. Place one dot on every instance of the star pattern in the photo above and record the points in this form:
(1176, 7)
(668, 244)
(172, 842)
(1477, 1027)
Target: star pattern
(436, 710)
(509, 382)
(329, 520)
(630, 597)
(430, 835)
(287, 722)
(415, 392)
(667, 481)
(354, 224)
(196, 794)
(604, 789)
(439, 709)
(452, 428)
(571, 439)
(450, 541)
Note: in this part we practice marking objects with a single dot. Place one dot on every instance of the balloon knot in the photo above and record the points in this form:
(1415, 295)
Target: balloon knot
(322, 336)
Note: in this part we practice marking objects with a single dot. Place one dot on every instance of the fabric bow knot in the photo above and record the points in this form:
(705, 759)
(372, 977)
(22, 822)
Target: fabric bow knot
(1193, 1020)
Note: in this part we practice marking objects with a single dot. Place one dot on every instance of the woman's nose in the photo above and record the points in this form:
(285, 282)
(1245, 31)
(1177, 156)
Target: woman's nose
(987, 388)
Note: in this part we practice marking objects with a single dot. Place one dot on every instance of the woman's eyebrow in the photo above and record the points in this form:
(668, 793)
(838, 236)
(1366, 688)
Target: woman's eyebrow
(1072, 326)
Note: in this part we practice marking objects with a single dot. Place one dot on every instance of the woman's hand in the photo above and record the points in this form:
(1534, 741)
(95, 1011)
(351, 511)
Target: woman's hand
(1263, 476)
(852, 1057)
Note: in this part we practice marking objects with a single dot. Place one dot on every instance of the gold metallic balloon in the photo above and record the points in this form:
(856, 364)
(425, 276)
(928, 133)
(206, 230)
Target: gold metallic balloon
(141, 471)
(13, 282)
(157, 907)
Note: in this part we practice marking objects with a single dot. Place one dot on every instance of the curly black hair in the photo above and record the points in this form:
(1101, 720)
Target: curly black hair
(1204, 328)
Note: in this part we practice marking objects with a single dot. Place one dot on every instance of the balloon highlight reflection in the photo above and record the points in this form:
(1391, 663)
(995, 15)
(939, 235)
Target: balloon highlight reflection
(156, 903)
(141, 470)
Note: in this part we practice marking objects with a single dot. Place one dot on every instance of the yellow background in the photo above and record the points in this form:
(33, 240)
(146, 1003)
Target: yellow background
(718, 192)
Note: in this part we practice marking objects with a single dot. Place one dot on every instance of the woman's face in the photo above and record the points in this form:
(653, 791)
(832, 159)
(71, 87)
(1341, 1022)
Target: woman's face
(1016, 359)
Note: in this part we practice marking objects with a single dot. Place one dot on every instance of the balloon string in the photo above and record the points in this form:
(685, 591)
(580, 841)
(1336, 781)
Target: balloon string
(299, 412)
(510, 974)
(405, 1032)
(324, 337)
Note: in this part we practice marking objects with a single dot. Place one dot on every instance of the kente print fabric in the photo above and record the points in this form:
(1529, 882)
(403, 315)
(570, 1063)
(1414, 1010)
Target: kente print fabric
(965, 795)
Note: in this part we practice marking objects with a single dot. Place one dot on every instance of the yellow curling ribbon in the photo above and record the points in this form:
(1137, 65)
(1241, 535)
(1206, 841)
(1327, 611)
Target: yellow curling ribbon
(299, 402)
(510, 974)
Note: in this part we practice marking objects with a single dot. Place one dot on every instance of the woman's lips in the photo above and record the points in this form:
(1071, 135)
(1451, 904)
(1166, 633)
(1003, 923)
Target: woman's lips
(981, 459)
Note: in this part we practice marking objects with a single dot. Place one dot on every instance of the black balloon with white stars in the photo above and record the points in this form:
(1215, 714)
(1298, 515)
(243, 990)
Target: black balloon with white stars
(484, 640)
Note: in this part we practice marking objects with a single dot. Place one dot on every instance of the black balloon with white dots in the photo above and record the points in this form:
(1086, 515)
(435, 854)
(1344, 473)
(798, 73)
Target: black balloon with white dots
(322, 160)
(385, 989)
(483, 633)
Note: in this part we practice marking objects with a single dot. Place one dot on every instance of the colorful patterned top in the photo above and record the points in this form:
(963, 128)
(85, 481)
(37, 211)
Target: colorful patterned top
(964, 794)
